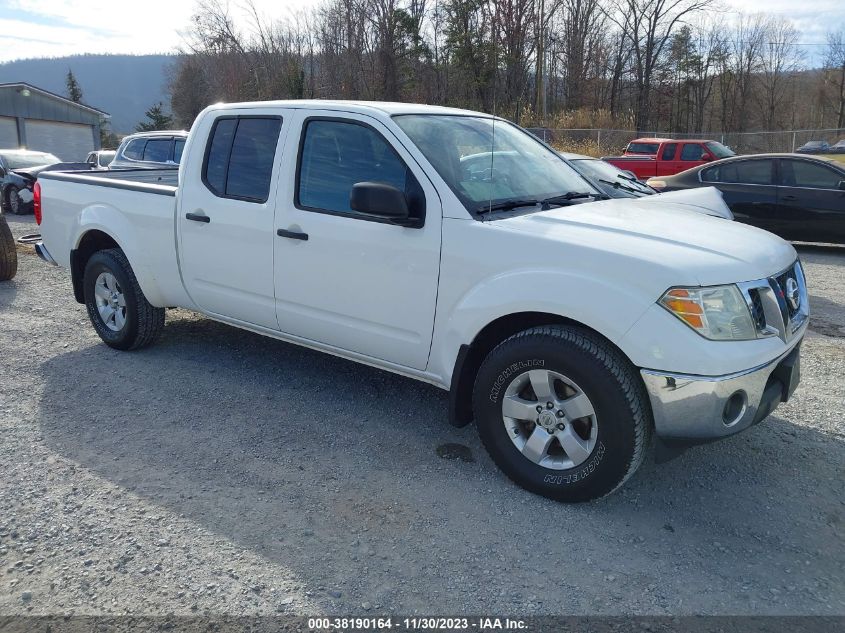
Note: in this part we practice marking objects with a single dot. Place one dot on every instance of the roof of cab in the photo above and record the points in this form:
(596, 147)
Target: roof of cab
(360, 107)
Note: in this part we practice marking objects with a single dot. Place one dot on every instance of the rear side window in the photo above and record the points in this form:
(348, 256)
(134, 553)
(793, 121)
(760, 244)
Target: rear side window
(240, 157)
(178, 148)
(802, 173)
(750, 172)
(691, 151)
(135, 149)
(157, 150)
(335, 155)
(643, 148)
(669, 151)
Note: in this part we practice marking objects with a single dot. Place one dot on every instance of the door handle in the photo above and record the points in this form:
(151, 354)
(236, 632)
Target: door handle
(294, 235)
(790, 198)
(196, 217)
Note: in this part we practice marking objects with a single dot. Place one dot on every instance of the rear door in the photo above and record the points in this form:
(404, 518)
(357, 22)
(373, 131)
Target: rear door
(748, 188)
(347, 280)
(225, 216)
(810, 201)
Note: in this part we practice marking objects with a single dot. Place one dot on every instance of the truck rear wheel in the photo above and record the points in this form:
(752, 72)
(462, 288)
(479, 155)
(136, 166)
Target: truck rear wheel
(562, 412)
(8, 251)
(116, 305)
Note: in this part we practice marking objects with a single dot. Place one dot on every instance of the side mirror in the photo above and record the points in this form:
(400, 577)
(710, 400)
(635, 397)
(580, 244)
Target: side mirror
(842, 184)
(379, 199)
(706, 157)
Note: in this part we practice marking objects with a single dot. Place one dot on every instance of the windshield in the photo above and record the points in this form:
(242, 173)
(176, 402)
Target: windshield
(601, 171)
(32, 159)
(718, 150)
(105, 158)
(487, 162)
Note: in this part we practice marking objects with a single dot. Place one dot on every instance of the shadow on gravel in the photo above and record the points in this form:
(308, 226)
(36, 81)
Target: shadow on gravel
(321, 463)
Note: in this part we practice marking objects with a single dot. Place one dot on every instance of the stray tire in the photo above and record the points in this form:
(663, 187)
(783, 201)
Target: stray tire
(8, 251)
(117, 307)
(16, 205)
(562, 412)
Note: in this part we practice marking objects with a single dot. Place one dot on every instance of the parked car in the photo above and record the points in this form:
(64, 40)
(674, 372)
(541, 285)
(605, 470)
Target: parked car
(8, 251)
(814, 147)
(11, 184)
(672, 156)
(612, 181)
(150, 150)
(16, 187)
(837, 148)
(568, 329)
(615, 183)
(795, 196)
(100, 159)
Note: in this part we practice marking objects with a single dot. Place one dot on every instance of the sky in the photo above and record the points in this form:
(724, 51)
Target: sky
(52, 28)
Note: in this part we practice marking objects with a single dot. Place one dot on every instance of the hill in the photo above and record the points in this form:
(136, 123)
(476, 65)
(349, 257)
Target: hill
(122, 85)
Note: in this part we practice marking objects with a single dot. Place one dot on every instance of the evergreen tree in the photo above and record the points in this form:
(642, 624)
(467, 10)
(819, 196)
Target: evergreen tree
(74, 92)
(156, 120)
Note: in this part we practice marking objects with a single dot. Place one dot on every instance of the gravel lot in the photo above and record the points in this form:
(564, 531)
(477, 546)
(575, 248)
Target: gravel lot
(222, 472)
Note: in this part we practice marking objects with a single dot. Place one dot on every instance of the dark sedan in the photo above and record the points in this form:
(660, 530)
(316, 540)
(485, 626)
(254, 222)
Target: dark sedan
(814, 147)
(795, 196)
(838, 147)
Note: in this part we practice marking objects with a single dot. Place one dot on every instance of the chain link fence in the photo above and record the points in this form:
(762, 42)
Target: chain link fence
(605, 142)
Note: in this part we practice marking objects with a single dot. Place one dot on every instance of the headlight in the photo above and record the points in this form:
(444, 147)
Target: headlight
(716, 312)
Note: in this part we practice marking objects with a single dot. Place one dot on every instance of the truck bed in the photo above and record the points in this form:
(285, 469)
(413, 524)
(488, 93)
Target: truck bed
(161, 181)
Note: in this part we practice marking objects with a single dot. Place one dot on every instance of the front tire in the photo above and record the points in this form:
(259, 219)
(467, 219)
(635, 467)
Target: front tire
(117, 307)
(562, 412)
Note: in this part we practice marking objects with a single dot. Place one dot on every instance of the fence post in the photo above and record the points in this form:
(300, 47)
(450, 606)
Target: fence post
(793, 141)
(598, 142)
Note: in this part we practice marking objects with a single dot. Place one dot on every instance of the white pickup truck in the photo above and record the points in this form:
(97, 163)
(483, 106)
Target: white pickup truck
(454, 248)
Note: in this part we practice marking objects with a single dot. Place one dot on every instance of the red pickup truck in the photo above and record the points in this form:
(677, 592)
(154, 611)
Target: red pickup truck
(649, 157)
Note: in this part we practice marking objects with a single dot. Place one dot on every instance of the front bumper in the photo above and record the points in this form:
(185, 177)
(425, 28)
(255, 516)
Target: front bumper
(692, 409)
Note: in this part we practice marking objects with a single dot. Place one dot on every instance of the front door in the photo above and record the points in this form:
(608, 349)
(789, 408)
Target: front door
(225, 215)
(748, 188)
(347, 280)
(811, 201)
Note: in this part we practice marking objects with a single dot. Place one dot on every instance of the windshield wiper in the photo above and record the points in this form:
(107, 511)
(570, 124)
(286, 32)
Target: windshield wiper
(507, 205)
(569, 196)
(545, 204)
(618, 185)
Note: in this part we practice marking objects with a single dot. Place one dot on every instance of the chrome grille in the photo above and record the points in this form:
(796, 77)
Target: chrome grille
(779, 305)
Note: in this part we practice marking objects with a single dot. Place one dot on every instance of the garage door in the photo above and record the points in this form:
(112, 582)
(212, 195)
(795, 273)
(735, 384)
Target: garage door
(68, 141)
(8, 133)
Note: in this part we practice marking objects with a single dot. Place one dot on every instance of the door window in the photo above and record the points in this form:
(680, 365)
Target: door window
(157, 150)
(335, 155)
(135, 149)
(669, 151)
(802, 173)
(691, 151)
(240, 157)
(750, 172)
(178, 148)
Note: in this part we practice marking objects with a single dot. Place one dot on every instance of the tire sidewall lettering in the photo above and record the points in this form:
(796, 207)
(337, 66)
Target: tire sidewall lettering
(580, 474)
(502, 380)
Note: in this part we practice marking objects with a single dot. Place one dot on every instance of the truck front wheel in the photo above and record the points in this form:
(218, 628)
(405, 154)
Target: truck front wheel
(562, 412)
(116, 305)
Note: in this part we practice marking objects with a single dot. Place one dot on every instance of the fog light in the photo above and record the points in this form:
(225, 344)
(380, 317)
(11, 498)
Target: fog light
(734, 408)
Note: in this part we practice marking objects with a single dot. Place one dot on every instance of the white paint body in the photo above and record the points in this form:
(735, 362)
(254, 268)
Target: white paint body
(406, 299)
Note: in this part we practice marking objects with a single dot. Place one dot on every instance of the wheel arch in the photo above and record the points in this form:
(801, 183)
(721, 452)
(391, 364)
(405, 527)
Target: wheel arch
(470, 356)
(90, 242)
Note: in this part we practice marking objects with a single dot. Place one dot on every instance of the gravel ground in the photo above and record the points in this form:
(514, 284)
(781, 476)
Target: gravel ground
(221, 472)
